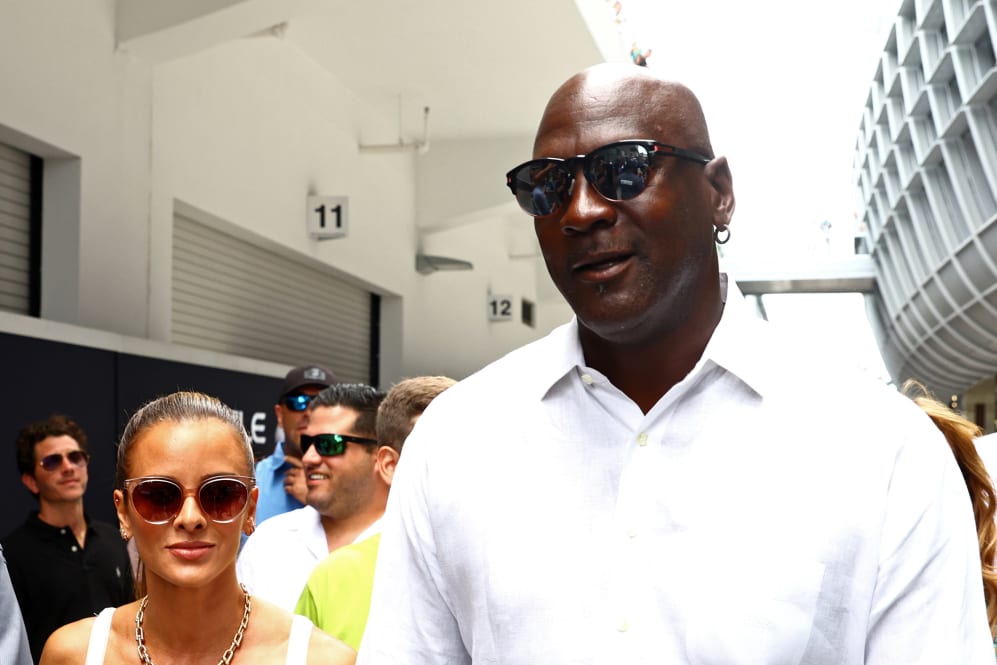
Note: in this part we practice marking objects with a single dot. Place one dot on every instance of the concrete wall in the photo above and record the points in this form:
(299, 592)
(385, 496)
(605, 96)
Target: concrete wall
(69, 97)
(466, 212)
(244, 131)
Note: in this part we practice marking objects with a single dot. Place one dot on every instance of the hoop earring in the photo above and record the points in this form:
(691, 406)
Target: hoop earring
(717, 230)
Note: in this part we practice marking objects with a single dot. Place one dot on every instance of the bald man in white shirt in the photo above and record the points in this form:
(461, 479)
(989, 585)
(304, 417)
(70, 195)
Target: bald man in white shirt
(664, 479)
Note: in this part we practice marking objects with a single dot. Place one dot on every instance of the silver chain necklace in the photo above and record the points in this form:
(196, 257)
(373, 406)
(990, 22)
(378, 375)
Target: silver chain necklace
(143, 653)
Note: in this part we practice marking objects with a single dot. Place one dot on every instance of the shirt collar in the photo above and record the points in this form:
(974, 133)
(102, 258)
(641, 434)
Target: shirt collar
(374, 528)
(560, 354)
(735, 346)
(36, 522)
(279, 457)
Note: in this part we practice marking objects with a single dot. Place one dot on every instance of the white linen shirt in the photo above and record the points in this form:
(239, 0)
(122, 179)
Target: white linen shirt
(764, 511)
(276, 560)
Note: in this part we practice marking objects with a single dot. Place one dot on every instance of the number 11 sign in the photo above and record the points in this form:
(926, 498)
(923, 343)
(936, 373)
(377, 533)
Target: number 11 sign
(328, 217)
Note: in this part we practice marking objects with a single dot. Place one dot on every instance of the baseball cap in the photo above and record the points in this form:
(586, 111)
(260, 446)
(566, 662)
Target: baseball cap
(307, 375)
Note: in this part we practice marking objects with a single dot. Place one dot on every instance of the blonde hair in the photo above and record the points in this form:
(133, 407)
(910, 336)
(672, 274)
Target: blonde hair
(961, 434)
(405, 401)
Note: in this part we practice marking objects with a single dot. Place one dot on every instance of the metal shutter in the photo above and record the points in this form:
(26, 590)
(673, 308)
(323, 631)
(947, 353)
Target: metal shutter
(15, 230)
(235, 297)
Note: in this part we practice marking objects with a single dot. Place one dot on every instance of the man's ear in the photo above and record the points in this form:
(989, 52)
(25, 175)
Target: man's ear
(722, 195)
(30, 482)
(277, 412)
(385, 461)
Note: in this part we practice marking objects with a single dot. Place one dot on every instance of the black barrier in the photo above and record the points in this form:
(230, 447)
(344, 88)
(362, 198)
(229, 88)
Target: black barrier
(100, 390)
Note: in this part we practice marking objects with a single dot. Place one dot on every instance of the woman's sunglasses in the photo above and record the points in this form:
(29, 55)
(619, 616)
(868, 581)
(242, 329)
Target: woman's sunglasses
(330, 445)
(158, 500)
(618, 171)
(54, 461)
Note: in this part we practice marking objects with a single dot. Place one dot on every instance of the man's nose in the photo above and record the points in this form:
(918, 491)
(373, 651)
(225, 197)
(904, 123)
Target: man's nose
(311, 457)
(585, 207)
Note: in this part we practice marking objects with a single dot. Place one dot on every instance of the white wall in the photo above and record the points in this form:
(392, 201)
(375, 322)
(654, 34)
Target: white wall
(452, 332)
(247, 130)
(465, 211)
(244, 131)
(458, 178)
(70, 95)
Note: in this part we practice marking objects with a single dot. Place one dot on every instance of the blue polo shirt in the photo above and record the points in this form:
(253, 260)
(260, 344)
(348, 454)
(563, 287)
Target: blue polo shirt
(273, 500)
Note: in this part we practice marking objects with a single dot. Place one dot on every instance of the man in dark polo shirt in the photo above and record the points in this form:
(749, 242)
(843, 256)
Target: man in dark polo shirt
(63, 565)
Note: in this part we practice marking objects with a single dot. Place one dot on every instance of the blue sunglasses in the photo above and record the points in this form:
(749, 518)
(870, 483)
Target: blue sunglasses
(297, 402)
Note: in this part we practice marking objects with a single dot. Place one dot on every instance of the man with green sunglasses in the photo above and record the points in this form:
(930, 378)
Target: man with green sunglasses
(337, 596)
(347, 478)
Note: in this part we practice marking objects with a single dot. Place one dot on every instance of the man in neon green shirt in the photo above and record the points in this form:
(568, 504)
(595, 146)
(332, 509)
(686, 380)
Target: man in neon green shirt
(337, 595)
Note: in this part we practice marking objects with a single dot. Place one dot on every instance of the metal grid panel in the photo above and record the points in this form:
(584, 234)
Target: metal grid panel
(945, 220)
(231, 296)
(15, 230)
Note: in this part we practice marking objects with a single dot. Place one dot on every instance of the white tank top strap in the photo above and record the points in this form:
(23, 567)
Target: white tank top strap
(100, 633)
(297, 643)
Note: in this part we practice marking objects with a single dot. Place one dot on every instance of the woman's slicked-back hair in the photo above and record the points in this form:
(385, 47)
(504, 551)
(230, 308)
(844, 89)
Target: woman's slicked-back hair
(179, 407)
(961, 435)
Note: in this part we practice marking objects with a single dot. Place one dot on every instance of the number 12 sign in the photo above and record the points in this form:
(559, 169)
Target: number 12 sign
(499, 308)
(328, 217)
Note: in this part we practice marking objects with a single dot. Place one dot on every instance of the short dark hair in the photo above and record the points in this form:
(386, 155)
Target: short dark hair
(33, 434)
(406, 400)
(360, 397)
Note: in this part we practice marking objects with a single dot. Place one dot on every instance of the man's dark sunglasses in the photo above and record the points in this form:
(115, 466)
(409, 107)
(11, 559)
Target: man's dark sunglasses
(297, 402)
(330, 445)
(54, 461)
(618, 171)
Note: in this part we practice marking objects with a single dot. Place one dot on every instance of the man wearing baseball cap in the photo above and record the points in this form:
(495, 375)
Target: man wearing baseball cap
(275, 473)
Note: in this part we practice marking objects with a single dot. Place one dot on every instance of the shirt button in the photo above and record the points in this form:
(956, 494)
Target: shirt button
(74, 548)
(62, 531)
(587, 379)
(642, 439)
(624, 626)
(631, 532)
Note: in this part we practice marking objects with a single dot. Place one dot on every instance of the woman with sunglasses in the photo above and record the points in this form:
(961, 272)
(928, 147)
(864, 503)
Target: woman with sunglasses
(185, 493)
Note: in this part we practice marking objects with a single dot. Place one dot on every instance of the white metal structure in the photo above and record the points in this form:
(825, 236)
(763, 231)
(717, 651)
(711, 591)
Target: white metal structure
(926, 168)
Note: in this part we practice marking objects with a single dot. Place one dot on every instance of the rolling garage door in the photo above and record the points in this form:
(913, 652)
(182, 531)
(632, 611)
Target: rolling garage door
(15, 231)
(232, 296)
